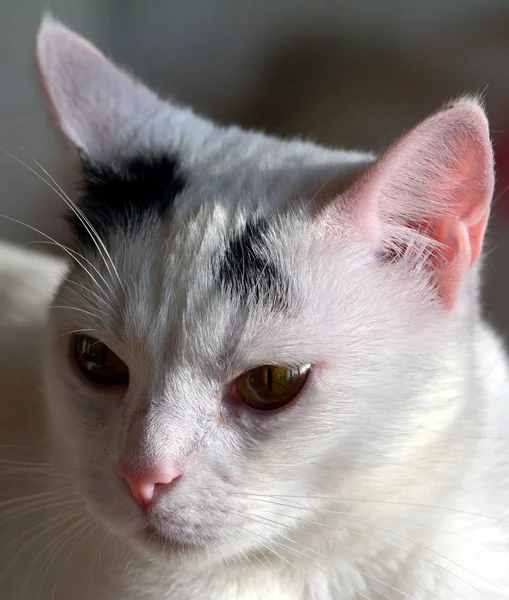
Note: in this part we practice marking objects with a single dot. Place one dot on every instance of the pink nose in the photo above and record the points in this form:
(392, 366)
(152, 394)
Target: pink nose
(146, 483)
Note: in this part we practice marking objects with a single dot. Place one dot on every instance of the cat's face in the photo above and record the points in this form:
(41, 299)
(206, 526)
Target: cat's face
(238, 334)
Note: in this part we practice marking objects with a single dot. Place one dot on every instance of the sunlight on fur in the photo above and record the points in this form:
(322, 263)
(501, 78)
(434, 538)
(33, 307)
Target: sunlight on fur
(260, 371)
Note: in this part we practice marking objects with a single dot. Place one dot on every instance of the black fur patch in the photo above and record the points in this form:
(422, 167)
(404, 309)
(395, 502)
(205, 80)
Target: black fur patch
(247, 271)
(122, 197)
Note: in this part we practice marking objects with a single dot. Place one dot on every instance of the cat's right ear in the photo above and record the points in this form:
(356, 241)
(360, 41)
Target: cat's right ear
(97, 106)
(426, 201)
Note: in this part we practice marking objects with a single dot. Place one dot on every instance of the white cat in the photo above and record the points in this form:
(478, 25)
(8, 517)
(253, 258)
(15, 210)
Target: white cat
(266, 375)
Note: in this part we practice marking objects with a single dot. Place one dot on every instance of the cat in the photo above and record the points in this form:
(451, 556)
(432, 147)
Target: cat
(262, 371)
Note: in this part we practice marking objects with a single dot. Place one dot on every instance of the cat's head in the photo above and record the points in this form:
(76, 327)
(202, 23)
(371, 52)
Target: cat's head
(246, 319)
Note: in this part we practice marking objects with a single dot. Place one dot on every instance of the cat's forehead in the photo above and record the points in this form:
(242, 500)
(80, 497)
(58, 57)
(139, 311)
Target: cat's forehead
(233, 225)
(193, 256)
(205, 250)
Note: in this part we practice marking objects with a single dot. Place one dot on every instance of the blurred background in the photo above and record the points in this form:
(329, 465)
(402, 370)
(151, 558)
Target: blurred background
(348, 73)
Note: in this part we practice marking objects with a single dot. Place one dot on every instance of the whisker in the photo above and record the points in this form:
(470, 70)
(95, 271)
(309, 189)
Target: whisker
(299, 553)
(42, 471)
(59, 194)
(346, 515)
(293, 566)
(66, 279)
(50, 551)
(17, 501)
(373, 501)
(89, 291)
(47, 525)
(12, 515)
(247, 559)
(275, 524)
(69, 251)
(57, 545)
(81, 216)
(267, 559)
(86, 330)
(75, 253)
(97, 555)
(422, 558)
(93, 527)
(81, 310)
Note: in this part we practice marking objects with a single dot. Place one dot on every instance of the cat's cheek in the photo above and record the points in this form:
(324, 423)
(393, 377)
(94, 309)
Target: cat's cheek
(93, 409)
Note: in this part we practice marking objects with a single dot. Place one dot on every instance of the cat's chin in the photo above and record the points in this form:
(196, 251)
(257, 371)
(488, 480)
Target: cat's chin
(176, 552)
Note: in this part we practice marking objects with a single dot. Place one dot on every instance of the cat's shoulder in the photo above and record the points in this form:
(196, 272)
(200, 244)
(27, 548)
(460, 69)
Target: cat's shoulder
(27, 281)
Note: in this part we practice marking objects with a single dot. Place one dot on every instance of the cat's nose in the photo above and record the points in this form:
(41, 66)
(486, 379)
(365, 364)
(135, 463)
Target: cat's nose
(147, 484)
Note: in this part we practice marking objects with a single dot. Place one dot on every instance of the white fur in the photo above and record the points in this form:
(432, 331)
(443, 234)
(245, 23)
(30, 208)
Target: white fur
(388, 478)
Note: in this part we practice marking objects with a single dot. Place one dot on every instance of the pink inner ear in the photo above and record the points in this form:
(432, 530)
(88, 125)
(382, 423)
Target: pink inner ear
(477, 205)
(435, 184)
(469, 191)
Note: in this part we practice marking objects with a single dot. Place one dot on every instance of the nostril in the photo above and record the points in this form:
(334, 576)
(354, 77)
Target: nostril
(162, 485)
(143, 483)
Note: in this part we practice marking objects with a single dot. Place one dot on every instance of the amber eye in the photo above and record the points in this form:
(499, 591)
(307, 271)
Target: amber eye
(98, 363)
(268, 387)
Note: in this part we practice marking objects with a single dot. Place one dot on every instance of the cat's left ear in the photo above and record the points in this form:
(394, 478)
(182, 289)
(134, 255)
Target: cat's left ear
(98, 107)
(427, 200)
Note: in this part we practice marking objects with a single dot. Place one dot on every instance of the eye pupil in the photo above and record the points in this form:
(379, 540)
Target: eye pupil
(270, 387)
(269, 379)
(97, 362)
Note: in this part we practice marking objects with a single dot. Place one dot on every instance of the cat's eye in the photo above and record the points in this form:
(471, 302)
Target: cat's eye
(98, 363)
(269, 387)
